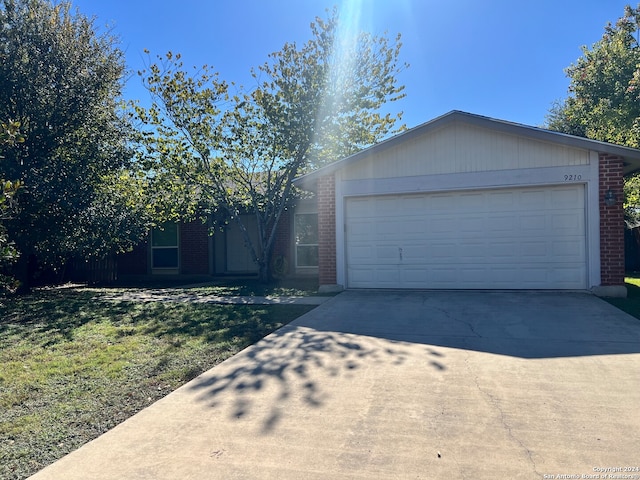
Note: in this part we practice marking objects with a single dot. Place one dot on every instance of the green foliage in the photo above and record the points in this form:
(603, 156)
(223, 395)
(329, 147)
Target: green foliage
(604, 90)
(9, 135)
(61, 81)
(239, 152)
(632, 200)
(604, 95)
(321, 102)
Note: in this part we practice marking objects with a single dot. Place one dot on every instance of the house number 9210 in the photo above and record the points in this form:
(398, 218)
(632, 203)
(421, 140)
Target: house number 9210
(569, 178)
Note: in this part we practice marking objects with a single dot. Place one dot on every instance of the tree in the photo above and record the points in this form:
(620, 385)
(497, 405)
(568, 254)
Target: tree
(311, 105)
(9, 136)
(62, 81)
(604, 95)
(604, 90)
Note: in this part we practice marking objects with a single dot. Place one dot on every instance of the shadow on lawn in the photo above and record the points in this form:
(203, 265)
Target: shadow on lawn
(219, 323)
(51, 314)
(54, 316)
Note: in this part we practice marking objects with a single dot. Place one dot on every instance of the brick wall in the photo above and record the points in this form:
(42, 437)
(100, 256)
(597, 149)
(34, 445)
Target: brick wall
(327, 230)
(611, 222)
(194, 248)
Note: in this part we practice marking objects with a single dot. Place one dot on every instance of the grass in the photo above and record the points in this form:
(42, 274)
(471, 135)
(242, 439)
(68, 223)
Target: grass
(72, 366)
(248, 286)
(631, 304)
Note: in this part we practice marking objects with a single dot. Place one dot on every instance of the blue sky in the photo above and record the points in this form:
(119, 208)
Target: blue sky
(498, 58)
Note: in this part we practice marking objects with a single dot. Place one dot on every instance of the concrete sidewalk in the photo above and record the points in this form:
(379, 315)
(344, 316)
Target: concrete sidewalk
(398, 385)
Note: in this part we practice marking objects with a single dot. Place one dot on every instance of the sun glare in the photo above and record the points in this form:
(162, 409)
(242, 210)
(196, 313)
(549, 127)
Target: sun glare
(340, 75)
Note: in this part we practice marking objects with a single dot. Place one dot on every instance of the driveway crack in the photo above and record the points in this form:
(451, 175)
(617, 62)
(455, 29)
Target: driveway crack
(448, 316)
(434, 421)
(493, 401)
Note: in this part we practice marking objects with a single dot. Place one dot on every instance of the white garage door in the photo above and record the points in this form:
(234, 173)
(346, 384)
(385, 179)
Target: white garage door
(524, 238)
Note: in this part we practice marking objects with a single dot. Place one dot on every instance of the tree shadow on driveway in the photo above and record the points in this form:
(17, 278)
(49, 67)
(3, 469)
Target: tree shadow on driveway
(398, 333)
(293, 364)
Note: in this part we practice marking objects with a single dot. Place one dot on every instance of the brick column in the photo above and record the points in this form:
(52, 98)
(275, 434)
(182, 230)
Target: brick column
(327, 230)
(194, 248)
(611, 222)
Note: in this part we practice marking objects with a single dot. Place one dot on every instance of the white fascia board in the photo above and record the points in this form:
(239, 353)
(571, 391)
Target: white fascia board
(468, 181)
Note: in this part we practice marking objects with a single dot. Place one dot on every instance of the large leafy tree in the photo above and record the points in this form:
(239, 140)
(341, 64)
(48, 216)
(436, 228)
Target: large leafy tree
(9, 136)
(311, 104)
(604, 95)
(62, 81)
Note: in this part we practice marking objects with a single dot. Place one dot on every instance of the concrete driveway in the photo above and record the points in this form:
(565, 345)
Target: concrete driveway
(402, 385)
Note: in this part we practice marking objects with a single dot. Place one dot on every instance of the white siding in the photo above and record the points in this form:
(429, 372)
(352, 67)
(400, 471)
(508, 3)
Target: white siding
(463, 148)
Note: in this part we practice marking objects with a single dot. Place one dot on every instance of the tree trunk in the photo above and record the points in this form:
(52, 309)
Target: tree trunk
(23, 273)
(265, 275)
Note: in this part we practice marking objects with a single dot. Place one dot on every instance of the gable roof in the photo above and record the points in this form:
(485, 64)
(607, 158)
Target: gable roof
(631, 156)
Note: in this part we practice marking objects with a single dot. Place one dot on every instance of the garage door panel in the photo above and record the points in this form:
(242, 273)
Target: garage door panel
(443, 276)
(514, 238)
(414, 277)
(376, 276)
(442, 224)
(387, 254)
(442, 251)
(360, 253)
(441, 203)
(470, 201)
(501, 200)
(501, 223)
(413, 204)
(360, 207)
(508, 251)
(533, 199)
(531, 250)
(561, 196)
(471, 224)
(567, 221)
(361, 228)
(386, 206)
(531, 223)
(571, 250)
(472, 250)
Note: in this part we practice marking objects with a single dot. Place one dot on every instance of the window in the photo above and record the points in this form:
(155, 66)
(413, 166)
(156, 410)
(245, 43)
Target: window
(164, 246)
(306, 232)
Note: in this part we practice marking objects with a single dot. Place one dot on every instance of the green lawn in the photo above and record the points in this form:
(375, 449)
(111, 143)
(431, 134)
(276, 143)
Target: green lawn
(631, 304)
(73, 366)
(239, 286)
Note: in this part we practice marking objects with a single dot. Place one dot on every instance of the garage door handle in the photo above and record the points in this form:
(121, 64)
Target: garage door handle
(400, 252)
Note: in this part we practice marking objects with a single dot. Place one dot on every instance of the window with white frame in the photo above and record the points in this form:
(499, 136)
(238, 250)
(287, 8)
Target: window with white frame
(164, 246)
(306, 233)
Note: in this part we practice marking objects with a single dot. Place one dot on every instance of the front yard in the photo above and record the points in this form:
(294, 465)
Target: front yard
(631, 304)
(72, 366)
